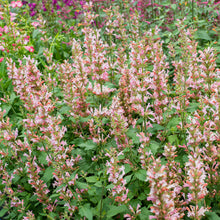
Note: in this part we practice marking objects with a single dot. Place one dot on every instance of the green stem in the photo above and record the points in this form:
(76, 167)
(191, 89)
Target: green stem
(100, 212)
(192, 10)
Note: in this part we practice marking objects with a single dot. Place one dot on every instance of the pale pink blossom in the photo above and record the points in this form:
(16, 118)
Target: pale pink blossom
(29, 48)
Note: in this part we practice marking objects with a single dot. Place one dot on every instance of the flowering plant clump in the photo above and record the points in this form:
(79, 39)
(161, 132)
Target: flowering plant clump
(107, 121)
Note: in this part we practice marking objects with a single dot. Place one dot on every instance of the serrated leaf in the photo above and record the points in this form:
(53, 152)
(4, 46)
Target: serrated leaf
(174, 7)
(111, 186)
(212, 216)
(42, 158)
(3, 212)
(127, 168)
(115, 210)
(35, 33)
(88, 145)
(193, 107)
(154, 146)
(7, 108)
(33, 198)
(141, 175)
(158, 127)
(66, 55)
(202, 34)
(173, 122)
(40, 52)
(15, 178)
(110, 85)
(54, 195)
(53, 215)
(144, 213)
(173, 139)
(91, 179)
(98, 184)
(48, 174)
(142, 196)
(128, 178)
(82, 119)
(82, 185)
(64, 109)
(12, 97)
(132, 133)
(86, 211)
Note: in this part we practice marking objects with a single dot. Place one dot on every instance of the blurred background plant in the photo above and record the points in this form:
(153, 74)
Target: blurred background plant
(67, 15)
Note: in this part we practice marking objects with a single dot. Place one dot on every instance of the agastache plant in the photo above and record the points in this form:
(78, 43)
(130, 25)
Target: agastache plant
(162, 193)
(46, 139)
(196, 176)
(116, 173)
(108, 131)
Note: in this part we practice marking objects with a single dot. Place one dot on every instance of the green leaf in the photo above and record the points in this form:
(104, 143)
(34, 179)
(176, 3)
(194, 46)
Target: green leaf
(155, 128)
(173, 122)
(48, 174)
(144, 213)
(127, 168)
(91, 179)
(173, 139)
(132, 133)
(82, 185)
(15, 178)
(57, 92)
(122, 156)
(53, 215)
(141, 175)
(174, 7)
(86, 119)
(128, 178)
(88, 145)
(202, 34)
(12, 97)
(110, 186)
(7, 108)
(65, 109)
(85, 211)
(154, 146)
(2, 69)
(35, 33)
(42, 158)
(110, 85)
(40, 52)
(98, 184)
(56, 195)
(66, 55)
(142, 196)
(212, 216)
(3, 212)
(158, 127)
(114, 210)
(193, 107)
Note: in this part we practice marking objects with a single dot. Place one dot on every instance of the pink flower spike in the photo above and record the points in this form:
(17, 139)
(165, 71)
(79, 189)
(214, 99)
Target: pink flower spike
(1, 59)
(29, 48)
